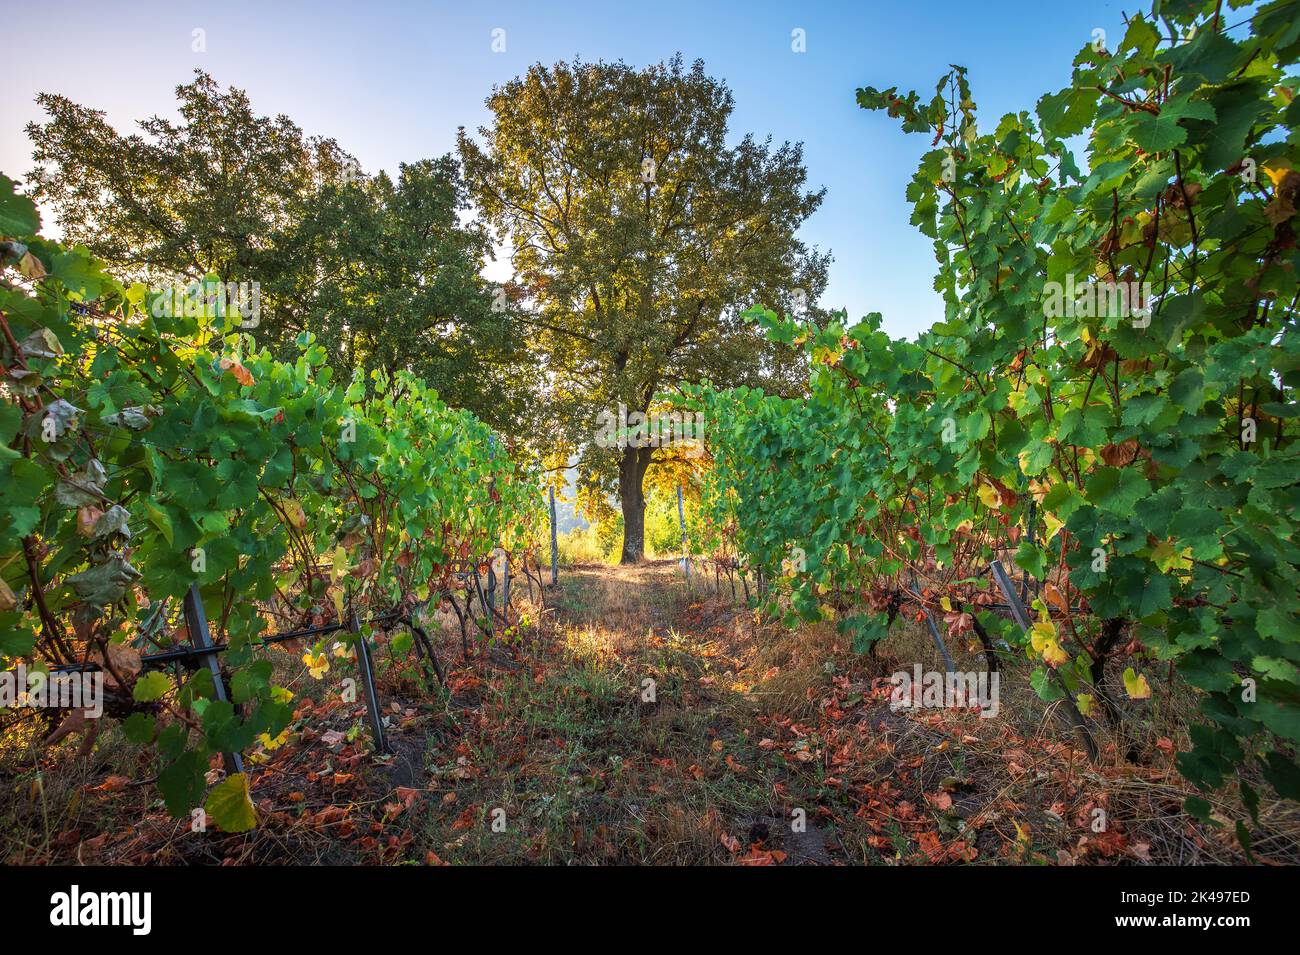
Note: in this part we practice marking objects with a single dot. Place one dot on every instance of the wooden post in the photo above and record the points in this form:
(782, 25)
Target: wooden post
(555, 547)
(196, 621)
(366, 667)
(1019, 614)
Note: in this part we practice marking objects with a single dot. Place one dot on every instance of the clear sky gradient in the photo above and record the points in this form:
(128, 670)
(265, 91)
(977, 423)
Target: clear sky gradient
(392, 82)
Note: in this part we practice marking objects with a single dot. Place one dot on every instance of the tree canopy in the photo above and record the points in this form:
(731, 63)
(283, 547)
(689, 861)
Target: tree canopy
(382, 270)
(638, 237)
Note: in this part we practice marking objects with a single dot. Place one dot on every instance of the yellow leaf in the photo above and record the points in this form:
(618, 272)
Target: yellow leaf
(1040, 634)
(946, 604)
(1168, 558)
(339, 567)
(318, 664)
(1085, 703)
(1053, 655)
(1022, 834)
(294, 512)
(273, 743)
(990, 496)
(1136, 686)
(1017, 396)
(1276, 170)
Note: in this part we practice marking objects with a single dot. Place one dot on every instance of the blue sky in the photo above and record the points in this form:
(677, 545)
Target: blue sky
(392, 82)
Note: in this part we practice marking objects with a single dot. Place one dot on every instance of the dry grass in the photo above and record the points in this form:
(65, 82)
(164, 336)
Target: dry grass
(1021, 789)
(748, 728)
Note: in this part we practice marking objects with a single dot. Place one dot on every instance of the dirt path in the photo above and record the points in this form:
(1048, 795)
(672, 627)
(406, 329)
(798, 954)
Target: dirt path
(646, 723)
(626, 736)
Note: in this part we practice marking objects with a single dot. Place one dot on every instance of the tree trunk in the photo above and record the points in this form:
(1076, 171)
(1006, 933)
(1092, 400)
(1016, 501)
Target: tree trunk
(631, 473)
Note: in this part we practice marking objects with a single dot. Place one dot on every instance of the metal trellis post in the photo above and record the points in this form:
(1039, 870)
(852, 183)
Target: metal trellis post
(196, 621)
(366, 666)
(555, 547)
(934, 630)
(1021, 617)
(681, 519)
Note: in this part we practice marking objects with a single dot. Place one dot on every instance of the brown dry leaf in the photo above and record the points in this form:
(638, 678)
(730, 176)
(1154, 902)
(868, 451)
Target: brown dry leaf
(1055, 598)
(31, 267)
(1120, 455)
(125, 659)
(329, 815)
(758, 856)
(465, 820)
(940, 800)
(240, 373)
(74, 723)
(113, 784)
(87, 515)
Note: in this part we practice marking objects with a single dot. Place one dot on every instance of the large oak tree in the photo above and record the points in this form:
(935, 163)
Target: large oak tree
(638, 237)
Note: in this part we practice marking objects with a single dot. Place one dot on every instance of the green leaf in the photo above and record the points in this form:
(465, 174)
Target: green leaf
(1283, 775)
(1156, 133)
(1199, 809)
(18, 216)
(151, 686)
(139, 727)
(182, 782)
(1116, 490)
(105, 583)
(230, 806)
